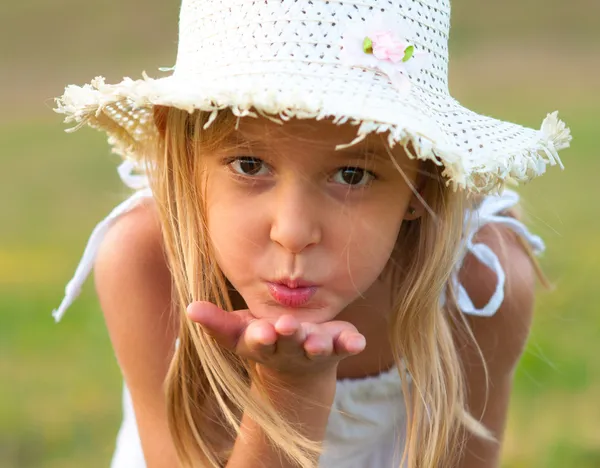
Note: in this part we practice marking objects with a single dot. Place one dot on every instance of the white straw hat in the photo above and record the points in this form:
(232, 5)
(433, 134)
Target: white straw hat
(381, 65)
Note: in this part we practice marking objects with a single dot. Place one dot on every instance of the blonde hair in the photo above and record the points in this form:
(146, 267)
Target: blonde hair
(208, 383)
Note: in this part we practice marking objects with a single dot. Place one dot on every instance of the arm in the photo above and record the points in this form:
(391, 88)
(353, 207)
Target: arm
(297, 366)
(502, 339)
(309, 410)
(133, 285)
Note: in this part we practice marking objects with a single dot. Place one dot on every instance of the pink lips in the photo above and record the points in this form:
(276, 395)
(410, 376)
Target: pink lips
(291, 294)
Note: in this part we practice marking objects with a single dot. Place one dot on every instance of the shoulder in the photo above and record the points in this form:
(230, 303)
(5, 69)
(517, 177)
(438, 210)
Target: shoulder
(139, 227)
(132, 249)
(501, 337)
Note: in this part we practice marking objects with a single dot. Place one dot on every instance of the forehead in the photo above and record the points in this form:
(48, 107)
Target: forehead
(305, 132)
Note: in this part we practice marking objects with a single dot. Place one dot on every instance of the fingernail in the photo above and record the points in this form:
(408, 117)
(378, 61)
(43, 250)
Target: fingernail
(359, 343)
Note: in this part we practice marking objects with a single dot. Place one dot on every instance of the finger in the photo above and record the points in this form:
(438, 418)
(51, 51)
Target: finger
(291, 335)
(318, 345)
(257, 341)
(223, 326)
(287, 325)
(349, 342)
(336, 327)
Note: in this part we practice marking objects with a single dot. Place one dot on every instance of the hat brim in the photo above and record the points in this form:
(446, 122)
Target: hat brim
(479, 153)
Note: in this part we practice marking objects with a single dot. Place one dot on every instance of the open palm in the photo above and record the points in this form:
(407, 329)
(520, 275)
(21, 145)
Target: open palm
(284, 344)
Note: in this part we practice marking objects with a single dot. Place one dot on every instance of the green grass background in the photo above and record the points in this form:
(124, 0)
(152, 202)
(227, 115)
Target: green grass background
(60, 385)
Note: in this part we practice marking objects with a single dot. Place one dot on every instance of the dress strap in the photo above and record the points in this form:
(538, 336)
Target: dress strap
(73, 288)
(490, 212)
(132, 176)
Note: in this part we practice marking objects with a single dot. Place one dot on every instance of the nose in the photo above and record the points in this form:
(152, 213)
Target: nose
(295, 221)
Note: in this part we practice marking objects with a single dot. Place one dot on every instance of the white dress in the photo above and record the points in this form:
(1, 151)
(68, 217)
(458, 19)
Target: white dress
(366, 424)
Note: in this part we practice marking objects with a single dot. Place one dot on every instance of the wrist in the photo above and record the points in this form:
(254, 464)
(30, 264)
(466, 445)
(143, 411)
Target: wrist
(317, 377)
(305, 400)
(315, 388)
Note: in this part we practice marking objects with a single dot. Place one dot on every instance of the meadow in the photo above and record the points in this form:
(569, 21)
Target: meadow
(60, 384)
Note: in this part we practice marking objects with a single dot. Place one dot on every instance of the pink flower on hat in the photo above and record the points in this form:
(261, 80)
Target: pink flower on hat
(386, 45)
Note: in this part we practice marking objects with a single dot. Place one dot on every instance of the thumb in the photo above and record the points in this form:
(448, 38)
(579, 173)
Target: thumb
(223, 326)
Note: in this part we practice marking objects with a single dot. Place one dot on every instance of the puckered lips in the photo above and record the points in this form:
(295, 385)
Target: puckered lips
(291, 293)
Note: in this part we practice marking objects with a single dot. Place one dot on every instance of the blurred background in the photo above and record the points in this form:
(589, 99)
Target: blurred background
(60, 385)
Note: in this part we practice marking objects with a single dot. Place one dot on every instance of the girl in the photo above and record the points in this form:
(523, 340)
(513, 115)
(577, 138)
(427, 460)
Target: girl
(287, 286)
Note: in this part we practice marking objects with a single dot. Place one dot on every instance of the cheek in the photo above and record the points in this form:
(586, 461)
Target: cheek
(370, 245)
(234, 231)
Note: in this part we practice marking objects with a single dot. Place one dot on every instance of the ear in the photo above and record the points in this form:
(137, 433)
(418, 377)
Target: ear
(160, 119)
(415, 208)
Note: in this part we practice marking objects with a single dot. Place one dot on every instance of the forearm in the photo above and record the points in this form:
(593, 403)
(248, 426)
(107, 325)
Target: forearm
(306, 407)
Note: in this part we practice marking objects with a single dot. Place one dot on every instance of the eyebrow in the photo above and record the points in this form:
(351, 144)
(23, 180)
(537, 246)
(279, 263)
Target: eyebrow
(377, 150)
(236, 138)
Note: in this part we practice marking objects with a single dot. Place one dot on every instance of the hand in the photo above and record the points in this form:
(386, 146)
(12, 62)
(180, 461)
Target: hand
(283, 345)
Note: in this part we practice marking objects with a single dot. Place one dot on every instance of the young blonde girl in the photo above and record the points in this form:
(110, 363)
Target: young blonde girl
(288, 284)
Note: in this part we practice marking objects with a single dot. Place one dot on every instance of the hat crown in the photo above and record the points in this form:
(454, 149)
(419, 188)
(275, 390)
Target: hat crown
(218, 38)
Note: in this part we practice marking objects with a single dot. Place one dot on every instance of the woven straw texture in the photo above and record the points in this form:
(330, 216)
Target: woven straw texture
(285, 59)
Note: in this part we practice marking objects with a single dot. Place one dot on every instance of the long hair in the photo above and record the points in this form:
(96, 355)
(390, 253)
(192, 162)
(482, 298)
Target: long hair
(208, 383)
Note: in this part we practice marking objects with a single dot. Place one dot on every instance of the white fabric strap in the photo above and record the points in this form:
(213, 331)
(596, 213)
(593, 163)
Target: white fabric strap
(488, 212)
(73, 288)
(127, 172)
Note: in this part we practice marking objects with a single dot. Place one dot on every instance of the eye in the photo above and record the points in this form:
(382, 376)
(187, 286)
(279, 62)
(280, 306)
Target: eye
(355, 176)
(249, 166)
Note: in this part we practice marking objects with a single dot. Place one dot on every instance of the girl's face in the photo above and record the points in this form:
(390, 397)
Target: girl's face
(298, 227)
